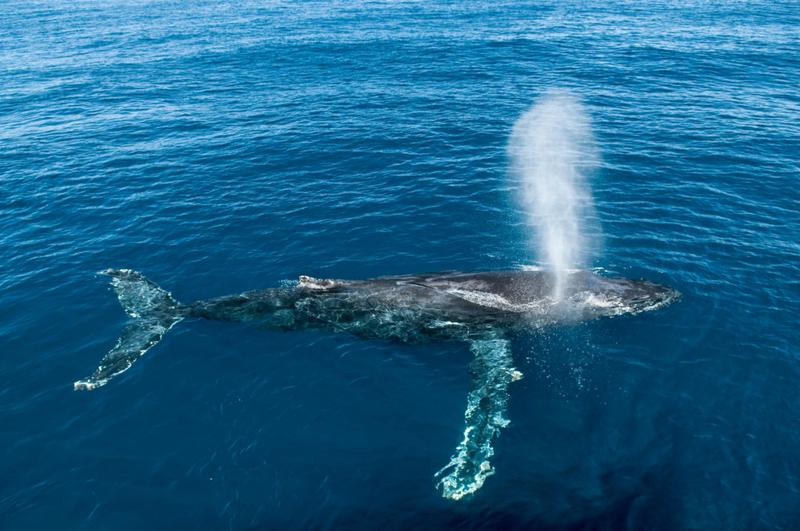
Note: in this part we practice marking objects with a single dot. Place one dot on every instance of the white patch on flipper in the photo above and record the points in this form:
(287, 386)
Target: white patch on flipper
(492, 372)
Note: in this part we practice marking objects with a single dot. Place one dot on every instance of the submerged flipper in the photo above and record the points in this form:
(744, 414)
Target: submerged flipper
(153, 311)
(492, 370)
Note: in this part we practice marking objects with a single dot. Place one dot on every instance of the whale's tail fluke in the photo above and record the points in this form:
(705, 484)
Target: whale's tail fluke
(153, 311)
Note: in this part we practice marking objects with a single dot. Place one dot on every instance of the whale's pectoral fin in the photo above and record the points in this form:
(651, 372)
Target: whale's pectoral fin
(153, 312)
(492, 370)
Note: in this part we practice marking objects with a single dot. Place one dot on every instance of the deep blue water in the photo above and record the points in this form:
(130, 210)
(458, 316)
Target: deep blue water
(222, 147)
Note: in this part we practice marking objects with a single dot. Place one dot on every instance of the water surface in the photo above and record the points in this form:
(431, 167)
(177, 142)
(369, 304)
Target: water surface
(222, 147)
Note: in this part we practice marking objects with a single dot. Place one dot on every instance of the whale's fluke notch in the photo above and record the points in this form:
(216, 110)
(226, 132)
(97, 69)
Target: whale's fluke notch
(153, 311)
(492, 370)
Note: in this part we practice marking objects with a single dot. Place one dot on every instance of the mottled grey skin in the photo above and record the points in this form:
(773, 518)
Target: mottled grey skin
(482, 309)
(438, 306)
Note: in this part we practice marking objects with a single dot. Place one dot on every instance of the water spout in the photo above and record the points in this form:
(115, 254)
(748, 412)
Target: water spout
(553, 154)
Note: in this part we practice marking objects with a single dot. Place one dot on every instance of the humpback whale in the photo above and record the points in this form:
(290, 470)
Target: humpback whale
(483, 309)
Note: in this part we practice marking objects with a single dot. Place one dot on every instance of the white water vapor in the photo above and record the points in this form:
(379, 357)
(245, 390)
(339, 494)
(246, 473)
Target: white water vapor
(553, 154)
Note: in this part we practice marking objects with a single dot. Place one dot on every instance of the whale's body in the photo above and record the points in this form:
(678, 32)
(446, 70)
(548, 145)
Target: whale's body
(485, 309)
(438, 306)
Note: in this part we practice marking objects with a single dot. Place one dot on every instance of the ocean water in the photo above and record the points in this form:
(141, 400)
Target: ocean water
(221, 147)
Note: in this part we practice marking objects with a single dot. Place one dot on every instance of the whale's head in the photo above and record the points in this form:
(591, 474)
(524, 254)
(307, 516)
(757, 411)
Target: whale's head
(595, 296)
